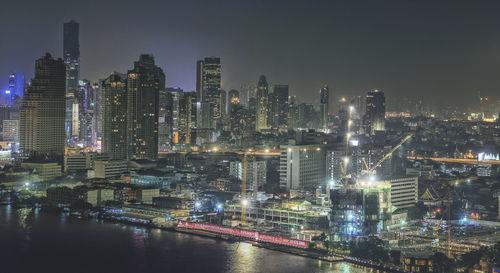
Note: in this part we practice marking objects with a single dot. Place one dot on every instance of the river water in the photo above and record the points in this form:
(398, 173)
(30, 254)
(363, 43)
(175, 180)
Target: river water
(39, 242)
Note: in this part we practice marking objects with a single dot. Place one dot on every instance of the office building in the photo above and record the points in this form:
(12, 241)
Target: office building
(10, 130)
(41, 128)
(199, 79)
(114, 127)
(255, 173)
(187, 118)
(261, 108)
(375, 111)
(85, 98)
(211, 92)
(302, 167)
(404, 191)
(280, 106)
(71, 56)
(144, 83)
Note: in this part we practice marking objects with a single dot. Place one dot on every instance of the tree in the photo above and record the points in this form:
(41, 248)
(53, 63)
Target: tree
(418, 211)
(441, 263)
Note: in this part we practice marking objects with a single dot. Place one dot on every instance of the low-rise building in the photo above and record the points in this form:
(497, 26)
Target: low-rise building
(110, 168)
(45, 170)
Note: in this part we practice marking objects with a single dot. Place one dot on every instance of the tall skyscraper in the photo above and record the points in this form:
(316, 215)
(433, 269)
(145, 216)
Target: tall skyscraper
(280, 109)
(212, 85)
(144, 83)
(200, 64)
(71, 55)
(187, 118)
(324, 105)
(43, 109)
(15, 90)
(165, 119)
(375, 111)
(85, 98)
(261, 111)
(114, 127)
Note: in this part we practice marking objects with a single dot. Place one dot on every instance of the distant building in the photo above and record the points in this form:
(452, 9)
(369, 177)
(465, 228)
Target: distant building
(211, 91)
(71, 56)
(262, 96)
(110, 168)
(187, 118)
(114, 95)
(324, 104)
(375, 111)
(146, 196)
(404, 191)
(41, 128)
(255, 173)
(302, 167)
(360, 211)
(279, 107)
(10, 130)
(144, 83)
(45, 170)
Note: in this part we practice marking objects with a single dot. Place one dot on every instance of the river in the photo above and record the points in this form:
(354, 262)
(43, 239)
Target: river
(31, 241)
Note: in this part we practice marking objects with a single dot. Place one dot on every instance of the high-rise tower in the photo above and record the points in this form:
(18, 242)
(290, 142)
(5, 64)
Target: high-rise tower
(324, 98)
(375, 111)
(199, 79)
(42, 112)
(261, 109)
(212, 85)
(114, 127)
(71, 55)
(144, 83)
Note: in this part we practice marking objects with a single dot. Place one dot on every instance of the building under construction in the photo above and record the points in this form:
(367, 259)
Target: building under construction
(360, 210)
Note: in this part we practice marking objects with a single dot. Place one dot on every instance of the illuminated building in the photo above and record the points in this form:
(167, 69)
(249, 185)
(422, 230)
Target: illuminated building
(187, 118)
(199, 79)
(85, 98)
(71, 56)
(114, 124)
(302, 167)
(404, 191)
(165, 119)
(233, 99)
(10, 130)
(211, 92)
(255, 173)
(375, 111)
(42, 111)
(324, 99)
(262, 95)
(293, 113)
(278, 107)
(144, 83)
(360, 211)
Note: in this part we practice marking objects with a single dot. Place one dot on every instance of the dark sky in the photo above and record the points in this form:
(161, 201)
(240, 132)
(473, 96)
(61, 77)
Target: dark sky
(437, 50)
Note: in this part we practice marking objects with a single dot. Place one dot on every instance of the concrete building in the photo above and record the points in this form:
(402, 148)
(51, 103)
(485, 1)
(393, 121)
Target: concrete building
(10, 130)
(78, 160)
(42, 111)
(114, 123)
(144, 83)
(110, 168)
(302, 167)
(153, 178)
(97, 197)
(146, 196)
(404, 191)
(375, 111)
(255, 173)
(262, 109)
(45, 171)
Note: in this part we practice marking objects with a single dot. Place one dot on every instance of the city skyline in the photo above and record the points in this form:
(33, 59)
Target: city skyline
(351, 47)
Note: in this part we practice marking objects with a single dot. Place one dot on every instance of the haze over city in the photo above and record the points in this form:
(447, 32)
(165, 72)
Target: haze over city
(444, 49)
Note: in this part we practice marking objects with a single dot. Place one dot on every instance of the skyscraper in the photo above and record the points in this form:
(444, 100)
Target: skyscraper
(187, 118)
(212, 85)
(114, 127)
(324, 95)
(261, 109)
(71, 55)
(144, 83)
(85, 98)
(280, 109)
(375, 111)
(43, 107)
(200, 64)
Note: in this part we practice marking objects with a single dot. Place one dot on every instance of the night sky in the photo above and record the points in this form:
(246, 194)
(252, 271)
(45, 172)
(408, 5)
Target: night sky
(436, 50)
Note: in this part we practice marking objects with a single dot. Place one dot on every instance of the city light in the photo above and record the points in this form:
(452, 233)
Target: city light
(244, 202)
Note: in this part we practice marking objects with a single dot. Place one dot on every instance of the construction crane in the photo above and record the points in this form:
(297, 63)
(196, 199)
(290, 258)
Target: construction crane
(448, 186)
(371, 170)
